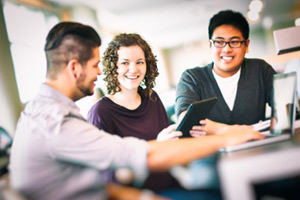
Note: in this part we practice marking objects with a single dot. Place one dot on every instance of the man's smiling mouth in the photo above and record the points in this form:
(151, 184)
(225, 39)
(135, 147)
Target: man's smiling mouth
(227, 58)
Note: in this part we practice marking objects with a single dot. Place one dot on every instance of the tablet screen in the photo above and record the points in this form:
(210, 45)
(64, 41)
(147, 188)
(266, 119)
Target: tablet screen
(195, 112)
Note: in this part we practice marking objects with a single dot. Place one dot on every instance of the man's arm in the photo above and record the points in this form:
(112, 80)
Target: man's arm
(164, 155)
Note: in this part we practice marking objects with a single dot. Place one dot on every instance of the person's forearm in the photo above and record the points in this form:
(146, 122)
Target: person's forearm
(163, 155)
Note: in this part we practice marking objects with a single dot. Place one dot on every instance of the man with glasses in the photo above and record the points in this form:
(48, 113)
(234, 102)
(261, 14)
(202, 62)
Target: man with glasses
(243, 86)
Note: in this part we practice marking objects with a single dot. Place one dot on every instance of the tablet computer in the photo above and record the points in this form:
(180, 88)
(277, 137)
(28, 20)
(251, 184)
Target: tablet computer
(195, 112)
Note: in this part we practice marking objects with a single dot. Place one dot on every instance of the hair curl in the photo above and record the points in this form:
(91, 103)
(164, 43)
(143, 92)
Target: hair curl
(110, 59)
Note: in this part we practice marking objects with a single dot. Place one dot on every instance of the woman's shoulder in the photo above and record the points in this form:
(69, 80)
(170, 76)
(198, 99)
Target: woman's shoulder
(153, 96)
(102, 104)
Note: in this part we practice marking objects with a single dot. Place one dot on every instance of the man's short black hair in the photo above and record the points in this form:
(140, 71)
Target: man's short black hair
(66, 41)
(229, 17)
(59, 31)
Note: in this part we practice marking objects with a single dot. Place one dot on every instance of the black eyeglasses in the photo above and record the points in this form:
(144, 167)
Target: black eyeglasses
(232, 44)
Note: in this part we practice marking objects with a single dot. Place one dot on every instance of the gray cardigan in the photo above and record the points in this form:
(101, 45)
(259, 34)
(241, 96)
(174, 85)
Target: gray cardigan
(254, 91)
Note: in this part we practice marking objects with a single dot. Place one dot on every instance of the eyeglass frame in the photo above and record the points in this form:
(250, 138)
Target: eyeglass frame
(240, 41)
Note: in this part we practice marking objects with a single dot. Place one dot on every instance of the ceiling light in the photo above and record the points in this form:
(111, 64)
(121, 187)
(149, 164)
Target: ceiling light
(256, 6)
(267, 22)
(252, 16)
(297, 22)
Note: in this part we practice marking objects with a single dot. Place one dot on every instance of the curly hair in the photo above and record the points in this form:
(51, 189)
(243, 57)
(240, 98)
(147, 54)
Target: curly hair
(110, 58)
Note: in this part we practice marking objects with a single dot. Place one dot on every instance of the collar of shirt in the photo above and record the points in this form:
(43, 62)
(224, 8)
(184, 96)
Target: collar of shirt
(51, 93)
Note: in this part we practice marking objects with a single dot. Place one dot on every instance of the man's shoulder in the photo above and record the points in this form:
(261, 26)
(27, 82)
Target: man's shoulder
(41, 118)
(258, 64)
(46, 107)
(198, 71)
(201, 69)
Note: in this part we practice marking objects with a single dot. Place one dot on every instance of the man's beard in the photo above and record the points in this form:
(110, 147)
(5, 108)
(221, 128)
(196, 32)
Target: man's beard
(80, 85)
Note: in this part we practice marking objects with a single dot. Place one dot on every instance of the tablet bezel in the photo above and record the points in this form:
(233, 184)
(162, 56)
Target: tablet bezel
(195, 112)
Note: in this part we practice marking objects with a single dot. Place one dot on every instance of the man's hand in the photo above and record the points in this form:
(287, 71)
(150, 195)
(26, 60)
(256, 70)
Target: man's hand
(169, 133)
(237, 134)
(198, 131)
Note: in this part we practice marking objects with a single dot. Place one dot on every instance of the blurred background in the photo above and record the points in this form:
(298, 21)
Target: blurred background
(177, 31)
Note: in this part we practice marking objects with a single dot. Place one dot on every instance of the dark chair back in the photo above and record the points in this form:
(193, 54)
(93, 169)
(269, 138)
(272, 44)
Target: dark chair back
(5, 145)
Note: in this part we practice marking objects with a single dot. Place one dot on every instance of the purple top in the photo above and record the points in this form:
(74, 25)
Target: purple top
(145, 122)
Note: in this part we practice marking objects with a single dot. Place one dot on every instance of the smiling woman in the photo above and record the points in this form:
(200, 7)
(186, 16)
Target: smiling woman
(132, 107)
(130, 70)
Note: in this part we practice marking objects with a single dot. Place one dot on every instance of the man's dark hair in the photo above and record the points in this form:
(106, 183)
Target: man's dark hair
(66, 41)
(111, 57)
(229, 17)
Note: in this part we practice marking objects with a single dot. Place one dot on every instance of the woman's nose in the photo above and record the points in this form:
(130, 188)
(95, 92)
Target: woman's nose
(132, 67)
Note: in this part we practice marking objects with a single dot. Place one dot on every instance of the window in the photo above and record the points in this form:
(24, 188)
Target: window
(27, 31)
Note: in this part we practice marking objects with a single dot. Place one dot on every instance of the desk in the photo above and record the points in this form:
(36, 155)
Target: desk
(239, 170)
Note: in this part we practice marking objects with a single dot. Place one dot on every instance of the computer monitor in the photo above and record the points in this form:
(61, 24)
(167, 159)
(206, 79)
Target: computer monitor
(287, 40)
(284, 100)
(294, 66)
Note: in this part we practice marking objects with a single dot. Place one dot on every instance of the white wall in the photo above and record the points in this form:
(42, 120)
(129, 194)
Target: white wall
(10, 105)
(186, 57)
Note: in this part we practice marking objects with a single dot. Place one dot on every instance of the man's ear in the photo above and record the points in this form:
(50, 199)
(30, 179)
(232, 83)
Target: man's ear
(74, 68)
(247, 45)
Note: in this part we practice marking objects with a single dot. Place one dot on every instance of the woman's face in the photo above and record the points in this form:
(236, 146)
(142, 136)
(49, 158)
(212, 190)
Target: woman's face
(131, 67)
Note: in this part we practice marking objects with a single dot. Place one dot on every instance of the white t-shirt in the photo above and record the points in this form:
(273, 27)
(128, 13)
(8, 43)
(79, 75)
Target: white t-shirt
(228, 87)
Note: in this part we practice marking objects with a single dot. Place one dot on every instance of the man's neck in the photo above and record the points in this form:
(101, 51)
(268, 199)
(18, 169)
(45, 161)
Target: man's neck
(62, 87)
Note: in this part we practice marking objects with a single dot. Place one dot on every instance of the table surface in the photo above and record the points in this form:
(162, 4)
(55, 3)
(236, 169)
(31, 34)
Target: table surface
(239, 170)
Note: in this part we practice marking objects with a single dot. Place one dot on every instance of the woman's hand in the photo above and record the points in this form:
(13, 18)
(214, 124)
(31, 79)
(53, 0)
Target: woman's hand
(169, 133)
